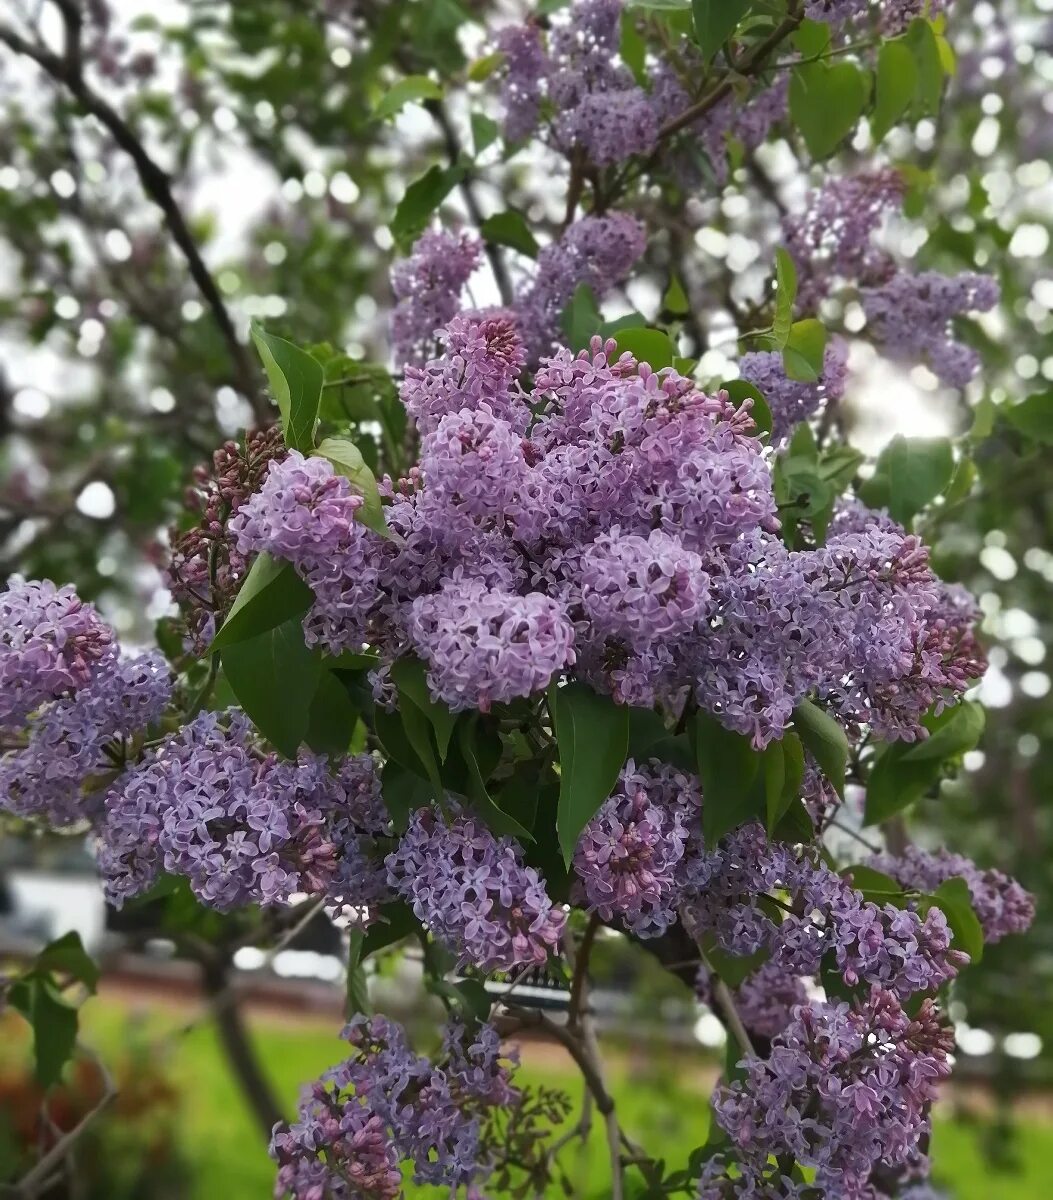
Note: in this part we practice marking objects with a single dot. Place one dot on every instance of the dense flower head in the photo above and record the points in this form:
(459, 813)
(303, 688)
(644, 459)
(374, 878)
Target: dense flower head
(912, 315)
(843, 1089)
(385, 1105)
(241, 826)
(428, 287)
(526, 66)
(1001, 904)
(76, 740)
(206, 568)
(790, 400)
(832, 238)
(631, 859)
(52, 644)
(472, 891)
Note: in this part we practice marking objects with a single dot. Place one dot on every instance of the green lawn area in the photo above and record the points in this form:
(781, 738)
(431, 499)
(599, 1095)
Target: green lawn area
(662, 1111)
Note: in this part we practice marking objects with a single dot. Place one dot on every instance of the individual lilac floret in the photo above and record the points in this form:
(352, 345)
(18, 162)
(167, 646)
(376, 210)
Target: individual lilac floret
(51, 645)
(1001, 904)
(912, 315)
(484, 646)
(843, 1090)
(790, 400)
(72, 742)
(598, 251)
(242, 827)
(385, 1105)
(428, 287)
(471, 890)
(629, 860)
(832, 239)
(482, 355)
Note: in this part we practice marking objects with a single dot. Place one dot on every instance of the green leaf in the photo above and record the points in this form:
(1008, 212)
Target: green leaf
(954, 732)
(739, 390)
(348, 461)
(53, 1021)
(418, 730)
(271, 594)
(728, 769)
(410, 677)
(481, 70)
(802, 356)
(332, 718)
(410, 90)
(785, 295)
(921, 40)
(593, 737)
(812, 38)
(68, 956)
(510, 228)
(496, 819)
(274, 677)
(783, 774)
(825, 740)
(296, 381)
(396, 921)
(916, 471)
(650, 346)
(872, 883)
(895, 87)
(1033, 417)
(420, 200)
(675, 300)
(485, 131)
(581, 318)
(826, 101)
(404, 791)
(356, 988)
(715, 21)
(955, 899)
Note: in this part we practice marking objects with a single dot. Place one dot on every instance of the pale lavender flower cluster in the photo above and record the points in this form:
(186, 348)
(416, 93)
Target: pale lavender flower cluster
(1001, 904)
(472, 891)
(428, 287)
(631, 861)
(598, 109)
(842, 1091)
(241, 826)
(912, 316)
(69, 702)
(832, 238)
(386, 1104)
(52, 644)
(616, 523)
(790, 400)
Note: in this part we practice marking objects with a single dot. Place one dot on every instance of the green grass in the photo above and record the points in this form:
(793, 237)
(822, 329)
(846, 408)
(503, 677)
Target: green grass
(661, 1100)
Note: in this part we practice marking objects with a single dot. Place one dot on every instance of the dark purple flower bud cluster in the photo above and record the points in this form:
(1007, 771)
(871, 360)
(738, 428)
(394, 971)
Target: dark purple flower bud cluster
(243, 827)
(615, 522)
(912, 316)
(68, 702)
(386, 1104)
(1001, 904)
(52, 644)
(206, 569)
(428, 287)
(843, 1090)
(472, 891)
(790, 400)
(631, 861)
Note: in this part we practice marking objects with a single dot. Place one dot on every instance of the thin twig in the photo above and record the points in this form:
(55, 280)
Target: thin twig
(729, 1011)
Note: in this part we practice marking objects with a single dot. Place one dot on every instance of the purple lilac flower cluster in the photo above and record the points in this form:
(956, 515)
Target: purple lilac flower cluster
(790, 400)
(619, 523)
(912, 316)
(893, 15)
(832, 238)
(428, 287)
(69, 702)
(1001, 904)
(241, 826)
(472, 891)
(597, 107)
(842, 1090)
(386, 1104)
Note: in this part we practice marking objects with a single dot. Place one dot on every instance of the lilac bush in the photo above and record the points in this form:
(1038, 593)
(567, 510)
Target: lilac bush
(588, 641)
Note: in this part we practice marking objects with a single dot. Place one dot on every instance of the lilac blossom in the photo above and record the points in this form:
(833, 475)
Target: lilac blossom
(526, 66)
(790, 400)
(471, 890)
(912, 315)
(427, 288)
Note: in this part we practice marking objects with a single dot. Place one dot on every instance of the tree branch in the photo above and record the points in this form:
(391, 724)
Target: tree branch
(66, 70)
